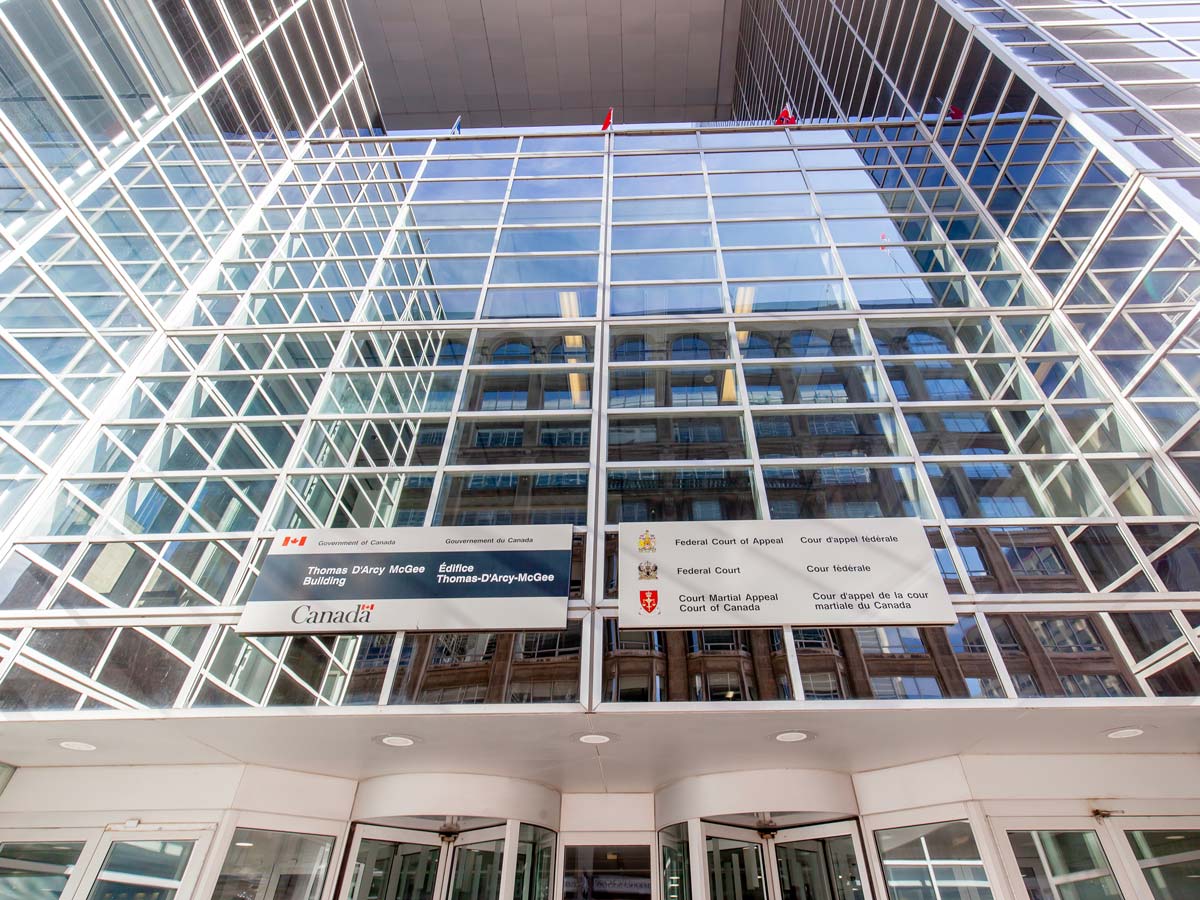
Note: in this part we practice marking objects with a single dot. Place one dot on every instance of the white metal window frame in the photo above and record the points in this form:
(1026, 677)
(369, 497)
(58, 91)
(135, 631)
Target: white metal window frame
(347, 872)
(1001, 827)
(288, 824)
(1118, 826)
(970, 812)
(99, 841)
(567, 839)
(89, 837)
(767, 847)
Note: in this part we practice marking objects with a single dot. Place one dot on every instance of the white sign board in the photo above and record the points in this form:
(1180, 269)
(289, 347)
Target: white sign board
(412, 579)
(750, 574)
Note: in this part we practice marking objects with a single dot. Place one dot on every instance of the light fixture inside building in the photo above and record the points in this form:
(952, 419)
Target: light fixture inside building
(728, 387)
(243, 843)
(396, 740)
(568, 304)
(743, 300)
(594, 739)
(1121, 734)
(81, 746)
(792, 737)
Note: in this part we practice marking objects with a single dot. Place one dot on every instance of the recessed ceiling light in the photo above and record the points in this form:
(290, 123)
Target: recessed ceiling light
(82, 746)
(594, 739)
(792, 737)
(243, 843)
(1121, 734)
(396, 740)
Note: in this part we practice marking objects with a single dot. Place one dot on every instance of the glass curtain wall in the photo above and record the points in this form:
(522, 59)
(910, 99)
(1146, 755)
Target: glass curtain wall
(216, 328)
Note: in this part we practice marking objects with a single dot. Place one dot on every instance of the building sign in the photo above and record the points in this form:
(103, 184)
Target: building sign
(412, 579)
(749, 574)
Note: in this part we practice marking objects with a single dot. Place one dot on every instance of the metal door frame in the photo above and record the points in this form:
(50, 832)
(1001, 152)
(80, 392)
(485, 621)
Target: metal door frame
(771, 889)
(1127, 881)
(89, 837)
(845, 828)
(395, 836)
(93, 867)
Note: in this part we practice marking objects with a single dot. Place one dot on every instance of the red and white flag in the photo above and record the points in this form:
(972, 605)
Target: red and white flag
(607, 120)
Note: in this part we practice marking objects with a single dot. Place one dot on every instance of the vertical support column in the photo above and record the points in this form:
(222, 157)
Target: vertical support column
(697, 860)
(677, 674)
(945, 662)
(764, 671)
(508, 867)
(500, 671)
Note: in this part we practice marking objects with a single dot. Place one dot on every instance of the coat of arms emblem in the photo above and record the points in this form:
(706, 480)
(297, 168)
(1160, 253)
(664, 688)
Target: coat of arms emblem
(649, 601)
(646, 542)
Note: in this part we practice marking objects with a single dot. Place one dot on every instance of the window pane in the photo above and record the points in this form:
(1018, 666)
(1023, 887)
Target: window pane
(928, 862)
(1068, 864)
(145, 870)
(41, 870)
(615, 872)
(278, 865)
(1169, 859)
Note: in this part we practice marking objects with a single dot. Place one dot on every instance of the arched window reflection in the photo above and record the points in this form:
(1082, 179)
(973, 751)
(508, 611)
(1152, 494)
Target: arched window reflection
(632, 349)
(452, 353)
(808, 343)
(757, 347)
(690, 346)
(561, 353)
(924, 342)
(512, 353)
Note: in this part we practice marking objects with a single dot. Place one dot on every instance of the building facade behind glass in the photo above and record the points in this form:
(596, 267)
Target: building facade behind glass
(960, 290)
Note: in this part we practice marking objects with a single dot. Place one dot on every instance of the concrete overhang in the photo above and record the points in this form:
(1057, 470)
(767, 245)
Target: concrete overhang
(548, 62)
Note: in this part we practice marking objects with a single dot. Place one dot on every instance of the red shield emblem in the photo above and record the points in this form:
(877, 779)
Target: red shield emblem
(649, 600)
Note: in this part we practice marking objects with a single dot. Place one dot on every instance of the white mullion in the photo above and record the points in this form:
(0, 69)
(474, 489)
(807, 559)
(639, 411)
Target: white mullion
(10, 649)
(51, 93)
(125, 384)
(109, 93)
(198, 666)
(393, 667)
(87, 685)
(290, 465)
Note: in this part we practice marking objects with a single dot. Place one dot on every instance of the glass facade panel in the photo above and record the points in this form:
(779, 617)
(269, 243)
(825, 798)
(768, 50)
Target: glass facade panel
(617, 872)
(924, 862)
(37, 868)
(244, 308)
(1167, 860)
(152, 869)
(278, 865)
(1066, 863)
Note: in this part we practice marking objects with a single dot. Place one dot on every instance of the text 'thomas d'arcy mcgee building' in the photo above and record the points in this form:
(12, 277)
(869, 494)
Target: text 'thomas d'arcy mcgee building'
(700, 509)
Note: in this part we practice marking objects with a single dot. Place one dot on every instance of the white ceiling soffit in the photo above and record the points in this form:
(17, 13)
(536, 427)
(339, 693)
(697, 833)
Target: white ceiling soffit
(548, 62)
(648, 749)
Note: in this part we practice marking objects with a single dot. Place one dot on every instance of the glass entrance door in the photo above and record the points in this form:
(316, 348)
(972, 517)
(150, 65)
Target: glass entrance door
(393, 864)
(1059, 859)
(820, 862)
(736, 864)
(477, 864)
(403, 864)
